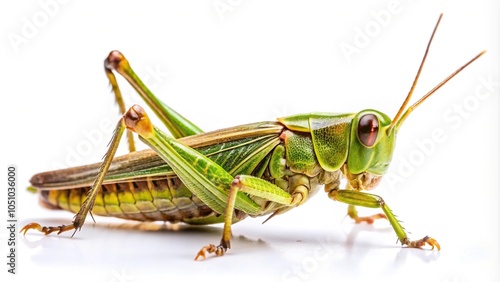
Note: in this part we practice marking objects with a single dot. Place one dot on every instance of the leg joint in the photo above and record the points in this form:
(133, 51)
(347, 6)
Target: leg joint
(299, 195)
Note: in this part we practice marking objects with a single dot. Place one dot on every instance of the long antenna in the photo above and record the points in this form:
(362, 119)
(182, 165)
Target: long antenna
(402, 114)
(408, 97)
(412, 107)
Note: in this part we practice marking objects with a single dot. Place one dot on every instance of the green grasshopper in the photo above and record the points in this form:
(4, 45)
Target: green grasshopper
(223, 176)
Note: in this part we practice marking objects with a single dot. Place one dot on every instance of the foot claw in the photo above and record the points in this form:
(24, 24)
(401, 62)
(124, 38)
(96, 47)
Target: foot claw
(208, 248)
(33, 225)
(432, 242)
(46, 229)
(219, 251)
(420, 243)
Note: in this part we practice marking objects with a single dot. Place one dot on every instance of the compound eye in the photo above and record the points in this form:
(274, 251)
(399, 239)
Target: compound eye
(368, 129)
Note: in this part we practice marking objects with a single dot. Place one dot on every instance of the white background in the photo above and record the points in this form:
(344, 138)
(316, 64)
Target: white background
(257, 61)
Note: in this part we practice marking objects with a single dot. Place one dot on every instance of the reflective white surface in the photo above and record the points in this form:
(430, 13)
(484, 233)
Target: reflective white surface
(257, 62)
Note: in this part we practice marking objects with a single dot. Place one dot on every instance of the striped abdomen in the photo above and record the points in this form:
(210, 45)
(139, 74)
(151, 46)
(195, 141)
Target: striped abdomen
(148, 200)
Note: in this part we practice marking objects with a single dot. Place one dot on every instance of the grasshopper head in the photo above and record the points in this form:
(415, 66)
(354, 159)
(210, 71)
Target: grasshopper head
(371, 146)
(370, 149)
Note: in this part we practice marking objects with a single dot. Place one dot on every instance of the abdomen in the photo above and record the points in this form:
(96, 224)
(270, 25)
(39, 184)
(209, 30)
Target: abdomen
(148, 200)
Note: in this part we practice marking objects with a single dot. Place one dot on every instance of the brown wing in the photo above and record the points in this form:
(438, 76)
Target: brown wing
(146, 163)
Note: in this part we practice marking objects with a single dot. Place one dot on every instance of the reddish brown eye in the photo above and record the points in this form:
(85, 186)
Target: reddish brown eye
(368, 129)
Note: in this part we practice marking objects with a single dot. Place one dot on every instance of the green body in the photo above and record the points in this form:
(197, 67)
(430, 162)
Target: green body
(141, 186)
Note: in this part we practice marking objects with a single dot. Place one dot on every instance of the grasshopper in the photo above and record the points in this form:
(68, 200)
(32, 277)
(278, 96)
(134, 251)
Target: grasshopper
(223, 176)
